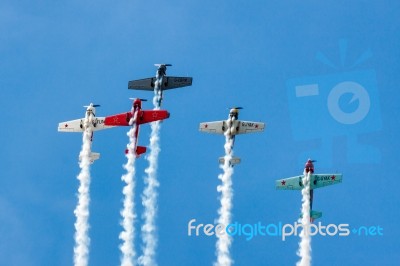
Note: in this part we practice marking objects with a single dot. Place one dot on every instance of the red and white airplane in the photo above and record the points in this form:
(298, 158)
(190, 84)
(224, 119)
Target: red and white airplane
(78, 125)
(316, 181)
(143, 117)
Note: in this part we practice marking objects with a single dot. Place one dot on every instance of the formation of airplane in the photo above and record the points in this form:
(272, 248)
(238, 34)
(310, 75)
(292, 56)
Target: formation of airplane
(142, 117)
(316, 181)
(78, 125)
(232, 127)
(160, 82)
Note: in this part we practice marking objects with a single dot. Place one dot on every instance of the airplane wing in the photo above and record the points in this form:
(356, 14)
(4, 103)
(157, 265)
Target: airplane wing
(77, 125)
(291, 183)
(323, 180)
(249, 127)
(176, 82)
(217, 127)
(143, 117)
(118, 120)
(148, 116)
(168, 83)
(98, 124)
(71, 126)
(142, 84)
(316, 181)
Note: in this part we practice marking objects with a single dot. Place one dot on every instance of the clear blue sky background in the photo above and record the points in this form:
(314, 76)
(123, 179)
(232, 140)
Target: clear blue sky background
(56, 56)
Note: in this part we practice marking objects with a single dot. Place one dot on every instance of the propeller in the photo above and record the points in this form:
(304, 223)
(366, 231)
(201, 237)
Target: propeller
(92, 105)
(238, 108)
(159, 65)
(133, 99)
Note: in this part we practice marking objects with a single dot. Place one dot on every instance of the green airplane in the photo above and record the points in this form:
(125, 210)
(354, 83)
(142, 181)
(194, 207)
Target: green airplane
(316, 181)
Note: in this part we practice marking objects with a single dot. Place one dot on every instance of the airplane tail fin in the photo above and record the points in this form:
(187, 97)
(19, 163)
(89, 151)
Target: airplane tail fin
(93, 156)
(139, 150)
(233, 160)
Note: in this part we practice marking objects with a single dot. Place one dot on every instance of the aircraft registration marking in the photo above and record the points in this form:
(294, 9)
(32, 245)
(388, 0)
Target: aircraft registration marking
(98, 121)
(325, 178)
(247, 124)
(180, 79)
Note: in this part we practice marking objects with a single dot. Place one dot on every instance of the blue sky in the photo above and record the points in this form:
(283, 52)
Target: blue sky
(58, 56)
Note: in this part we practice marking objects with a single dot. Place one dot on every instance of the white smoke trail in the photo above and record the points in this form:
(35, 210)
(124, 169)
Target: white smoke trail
(149, 200)
(149, 197)
(127, 213)
(224, 241)
(304, 251)
(82, 240)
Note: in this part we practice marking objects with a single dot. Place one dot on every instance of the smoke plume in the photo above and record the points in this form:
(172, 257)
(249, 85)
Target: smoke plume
(82, 240)
(128, 211)
(304, 251)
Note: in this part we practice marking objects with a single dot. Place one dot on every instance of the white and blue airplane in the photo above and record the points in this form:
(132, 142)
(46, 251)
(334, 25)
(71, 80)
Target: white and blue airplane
(316, 181)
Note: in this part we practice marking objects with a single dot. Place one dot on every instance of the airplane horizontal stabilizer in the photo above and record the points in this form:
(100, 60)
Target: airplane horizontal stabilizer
(139, 150)
(232, 161)
(93, 156)
(313, 215)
